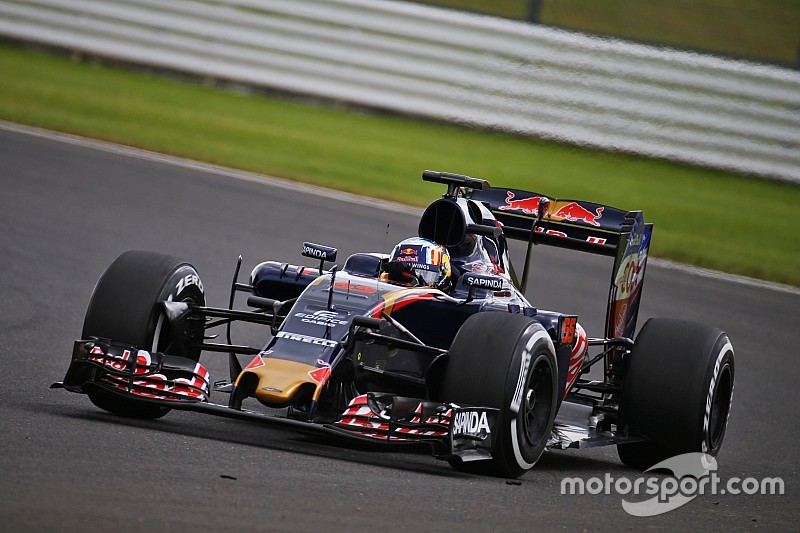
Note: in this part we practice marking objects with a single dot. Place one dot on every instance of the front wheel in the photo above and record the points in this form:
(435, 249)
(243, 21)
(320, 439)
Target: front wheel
(677, 391)
(507, 362)
(125, 308)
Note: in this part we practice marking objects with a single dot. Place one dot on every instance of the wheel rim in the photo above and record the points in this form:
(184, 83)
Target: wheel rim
(720, 406)
(538, 401)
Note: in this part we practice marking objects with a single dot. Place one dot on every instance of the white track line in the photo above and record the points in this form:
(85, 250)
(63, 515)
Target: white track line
(336, 195)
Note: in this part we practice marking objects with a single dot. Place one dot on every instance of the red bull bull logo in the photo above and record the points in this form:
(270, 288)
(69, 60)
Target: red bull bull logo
(529, 206)
(573, 212)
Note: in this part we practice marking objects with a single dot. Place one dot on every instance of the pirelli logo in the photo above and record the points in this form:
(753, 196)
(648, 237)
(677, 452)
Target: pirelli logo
(307, 339)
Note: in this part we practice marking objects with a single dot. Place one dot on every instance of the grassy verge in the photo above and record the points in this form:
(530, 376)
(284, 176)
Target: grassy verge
(707, 218)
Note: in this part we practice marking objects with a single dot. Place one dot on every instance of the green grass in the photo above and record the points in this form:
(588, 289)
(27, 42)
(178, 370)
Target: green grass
(704, 217)
(759, 29)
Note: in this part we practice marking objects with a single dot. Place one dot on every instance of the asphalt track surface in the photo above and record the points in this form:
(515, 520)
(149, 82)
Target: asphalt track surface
(66, 211)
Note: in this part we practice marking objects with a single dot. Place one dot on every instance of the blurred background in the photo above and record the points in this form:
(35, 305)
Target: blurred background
(688, 110)
(761, 30)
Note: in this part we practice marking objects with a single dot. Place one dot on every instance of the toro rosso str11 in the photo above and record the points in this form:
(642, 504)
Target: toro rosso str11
(434, 343)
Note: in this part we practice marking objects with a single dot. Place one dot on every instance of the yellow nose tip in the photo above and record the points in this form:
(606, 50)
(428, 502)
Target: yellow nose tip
(279, 380)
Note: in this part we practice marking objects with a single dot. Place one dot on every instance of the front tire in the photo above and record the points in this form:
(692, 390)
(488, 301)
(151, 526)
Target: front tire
(507, 362)
(125, 308)
(677, 391)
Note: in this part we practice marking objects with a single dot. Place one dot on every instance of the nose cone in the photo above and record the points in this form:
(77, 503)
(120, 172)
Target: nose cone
(279, 380)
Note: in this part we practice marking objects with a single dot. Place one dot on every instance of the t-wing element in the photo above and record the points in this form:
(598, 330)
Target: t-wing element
(455, 182)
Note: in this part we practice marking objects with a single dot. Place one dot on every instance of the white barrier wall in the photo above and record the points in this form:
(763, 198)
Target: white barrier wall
(454, 66)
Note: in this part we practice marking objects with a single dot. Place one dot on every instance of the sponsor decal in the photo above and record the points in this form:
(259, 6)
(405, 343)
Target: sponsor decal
(255, 363)
(568, 324)
(321, 374)
(314, 252)
(188, 387)
(471, 423)
(321, 318)
(529, 206)
(525, 362)
(596, 240)
(307, 339)
(355, 287)
(540, 229)
(707, 415)
(483, 282)
(143, 361)
(573, 212)
(319, 252)
(576, 358)
(120, 362)
(629, 276)
(109, 360)
(435, 256)
(189, 279)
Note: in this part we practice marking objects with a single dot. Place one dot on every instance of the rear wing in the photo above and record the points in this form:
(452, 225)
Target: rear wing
(583, 226)
(573, 224)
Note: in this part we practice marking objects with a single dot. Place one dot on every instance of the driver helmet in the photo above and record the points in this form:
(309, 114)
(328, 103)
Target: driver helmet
(427, 261)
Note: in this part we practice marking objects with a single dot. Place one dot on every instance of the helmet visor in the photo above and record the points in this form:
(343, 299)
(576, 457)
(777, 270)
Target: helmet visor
(430, 277)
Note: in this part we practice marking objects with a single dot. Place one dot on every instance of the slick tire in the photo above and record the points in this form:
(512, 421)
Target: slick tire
(124, 308)
(505, 361)
(677, 391)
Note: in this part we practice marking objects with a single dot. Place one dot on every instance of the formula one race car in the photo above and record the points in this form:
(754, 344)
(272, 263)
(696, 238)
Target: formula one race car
(434, 343)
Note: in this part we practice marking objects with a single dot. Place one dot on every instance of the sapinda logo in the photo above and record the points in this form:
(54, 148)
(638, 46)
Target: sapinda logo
(472, 280)
(471, 423)
(315, 252)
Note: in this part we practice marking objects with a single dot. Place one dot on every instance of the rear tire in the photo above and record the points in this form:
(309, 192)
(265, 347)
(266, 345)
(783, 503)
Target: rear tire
(124, 308)
(505, 361)
(677, 391)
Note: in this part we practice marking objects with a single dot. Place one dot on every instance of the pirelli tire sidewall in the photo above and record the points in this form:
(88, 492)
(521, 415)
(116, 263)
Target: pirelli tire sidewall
(184, 285)
(126, 307)
(523, 437)
(490, 364)
(125, 304)
(677, 391)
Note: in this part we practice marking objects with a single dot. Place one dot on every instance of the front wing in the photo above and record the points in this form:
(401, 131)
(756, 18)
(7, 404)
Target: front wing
(454, 432)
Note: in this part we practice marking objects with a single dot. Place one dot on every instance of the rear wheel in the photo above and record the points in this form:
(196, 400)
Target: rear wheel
(124, 308)
(507, 362)
(677, 391)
